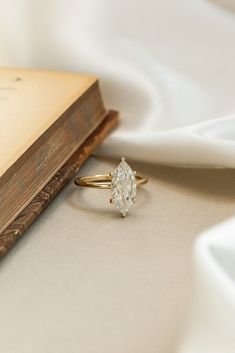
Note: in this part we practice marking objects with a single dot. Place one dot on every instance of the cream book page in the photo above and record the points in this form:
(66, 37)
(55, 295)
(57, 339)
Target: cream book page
(30, 102)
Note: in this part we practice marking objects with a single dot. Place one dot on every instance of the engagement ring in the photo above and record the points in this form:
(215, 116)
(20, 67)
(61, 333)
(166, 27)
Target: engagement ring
(122, 182)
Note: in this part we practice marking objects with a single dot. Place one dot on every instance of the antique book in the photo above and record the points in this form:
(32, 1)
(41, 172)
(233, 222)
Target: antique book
(49, 124)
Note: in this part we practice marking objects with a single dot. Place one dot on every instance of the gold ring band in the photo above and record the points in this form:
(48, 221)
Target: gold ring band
(122, 182)
(103, 181)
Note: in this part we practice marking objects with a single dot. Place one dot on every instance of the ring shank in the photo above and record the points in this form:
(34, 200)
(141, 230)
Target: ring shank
(103, 181)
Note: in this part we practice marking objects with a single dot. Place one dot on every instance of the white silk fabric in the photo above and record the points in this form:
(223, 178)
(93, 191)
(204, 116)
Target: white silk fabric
(211, 328)
(169, 68)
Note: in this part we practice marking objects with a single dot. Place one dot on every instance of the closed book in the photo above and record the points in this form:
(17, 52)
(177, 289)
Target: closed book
(46, 118)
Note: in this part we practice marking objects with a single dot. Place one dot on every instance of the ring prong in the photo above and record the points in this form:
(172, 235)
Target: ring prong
(135, 172)
(111, 200)
(123, 214)
(123, 159)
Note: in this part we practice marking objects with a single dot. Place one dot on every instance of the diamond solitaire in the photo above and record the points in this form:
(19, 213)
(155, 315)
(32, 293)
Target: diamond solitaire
(122, 182)
(123, 187)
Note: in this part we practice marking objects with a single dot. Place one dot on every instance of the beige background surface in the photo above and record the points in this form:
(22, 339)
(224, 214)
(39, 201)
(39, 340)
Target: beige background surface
(84, 280)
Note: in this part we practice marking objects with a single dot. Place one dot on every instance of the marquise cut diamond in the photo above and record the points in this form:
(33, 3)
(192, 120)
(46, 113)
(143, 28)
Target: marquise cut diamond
(123, 187)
